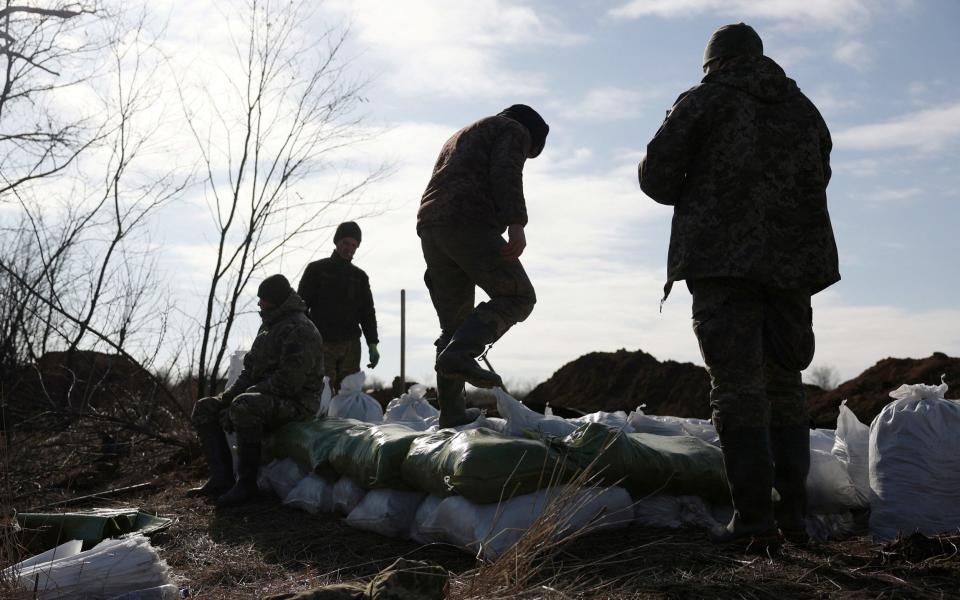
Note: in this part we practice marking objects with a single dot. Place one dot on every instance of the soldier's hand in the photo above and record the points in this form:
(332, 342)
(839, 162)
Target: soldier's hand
(374, 356)
(516, 242)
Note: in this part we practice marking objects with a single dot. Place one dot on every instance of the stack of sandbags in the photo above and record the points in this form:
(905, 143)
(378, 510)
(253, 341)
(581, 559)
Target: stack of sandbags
(412, 409)
(351, 403)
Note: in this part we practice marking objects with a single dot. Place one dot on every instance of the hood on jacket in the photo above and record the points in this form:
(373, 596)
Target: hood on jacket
(292, 304)
(758, 76)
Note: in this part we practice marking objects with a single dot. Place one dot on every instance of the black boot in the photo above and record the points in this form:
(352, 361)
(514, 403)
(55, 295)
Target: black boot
(453, 411)
(791, 457)
(749, 468)
(219, 462)
(248, 464)
(458, 359)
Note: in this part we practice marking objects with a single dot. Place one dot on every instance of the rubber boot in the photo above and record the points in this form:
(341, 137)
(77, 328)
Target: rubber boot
(749, 468)
(458, 359)
(453, 411)
(791, 457)
(219, 463)
(248, 464)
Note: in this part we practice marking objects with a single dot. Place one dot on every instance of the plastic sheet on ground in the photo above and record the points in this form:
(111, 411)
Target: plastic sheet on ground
(313, 494)
(351, 403)
(372, 455)
(852, 446)
(489, 530)
(915, 463)
(481, 465)
(280, 476)
(387, 512)
(347, 495)
(92, 526)
(309, 442)
(111, 568)
(649, 464)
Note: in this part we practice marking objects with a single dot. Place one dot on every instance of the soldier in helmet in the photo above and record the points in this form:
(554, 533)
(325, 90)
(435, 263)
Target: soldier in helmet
(744, 159)
(474, 195)
(281, 382)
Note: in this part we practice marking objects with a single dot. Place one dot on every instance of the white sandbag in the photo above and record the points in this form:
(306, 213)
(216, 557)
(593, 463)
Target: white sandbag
(701, 429)
(326, 395)
(235, 368)
(852, 445)
(421, 530)
(495, 423)
(657, 425)
(673, 511)
(823, 528)
(617, 420)
(111, 568)
(411, 407)
(521, 419)
(351, 403)
(829, 486)
(387, 512)
(822, 439)
(281, 476)
(347, 495)
(915, 463)
(313, 494)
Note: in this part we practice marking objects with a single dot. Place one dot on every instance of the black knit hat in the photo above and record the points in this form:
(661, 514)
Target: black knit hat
(534, 123)
(275, 289)
(738, 39)
(347, 229)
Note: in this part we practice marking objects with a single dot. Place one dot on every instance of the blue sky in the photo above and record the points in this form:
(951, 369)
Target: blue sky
(883, 72)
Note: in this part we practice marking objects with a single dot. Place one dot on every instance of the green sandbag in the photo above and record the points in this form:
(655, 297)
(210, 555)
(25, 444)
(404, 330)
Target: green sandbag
(372, 456)
(482, 465)
(646, 463)
(309, 443)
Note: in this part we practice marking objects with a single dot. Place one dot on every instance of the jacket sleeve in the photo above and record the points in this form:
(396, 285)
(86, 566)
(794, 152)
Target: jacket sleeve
(663, 170)
(368, 315)
(826, 146)
(507, 156)
(308, 288)
(295, 363)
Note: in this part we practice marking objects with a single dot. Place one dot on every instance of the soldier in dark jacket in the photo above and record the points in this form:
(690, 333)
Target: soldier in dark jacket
(340, 303)
(474, 195)
(281, 382)
(744, 159)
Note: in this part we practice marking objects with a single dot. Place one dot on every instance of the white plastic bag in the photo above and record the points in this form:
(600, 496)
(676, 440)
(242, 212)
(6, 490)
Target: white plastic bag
(347, 495)
(387, 512)
(351, 403)
(702, 429)
(313, 494)
(325, 396)
(657, 425)
(673, 511)
(521, 419)
(829, 487)
(852, 446)
(281, 476)
(617, 420)
(915, 463)
(822, 439)
(411, 407)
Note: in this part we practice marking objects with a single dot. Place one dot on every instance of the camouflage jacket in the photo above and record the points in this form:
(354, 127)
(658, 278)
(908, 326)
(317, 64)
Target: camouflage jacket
(339, 299)
(286, 358)
(478, 178)
(744, 159)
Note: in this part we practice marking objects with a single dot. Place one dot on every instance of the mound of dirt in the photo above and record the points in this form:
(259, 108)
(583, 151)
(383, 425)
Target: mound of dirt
(868, 393)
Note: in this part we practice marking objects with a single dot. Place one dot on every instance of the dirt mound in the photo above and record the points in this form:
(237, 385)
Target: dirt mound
(868, 393)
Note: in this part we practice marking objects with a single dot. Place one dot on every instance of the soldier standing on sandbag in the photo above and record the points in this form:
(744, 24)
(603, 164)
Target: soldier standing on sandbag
(744, 159)
(474, 195)
(281, 382)
(340, 303)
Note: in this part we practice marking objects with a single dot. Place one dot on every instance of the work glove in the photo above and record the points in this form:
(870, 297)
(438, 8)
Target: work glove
(374, 356)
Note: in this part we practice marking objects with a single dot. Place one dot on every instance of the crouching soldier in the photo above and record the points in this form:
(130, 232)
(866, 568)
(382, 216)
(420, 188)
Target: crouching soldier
(281, 382)
(474, 195)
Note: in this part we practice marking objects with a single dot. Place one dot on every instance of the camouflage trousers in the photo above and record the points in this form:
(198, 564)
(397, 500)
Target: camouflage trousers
(755, 341)
(340, 359)
(461, 259)
(247, 411)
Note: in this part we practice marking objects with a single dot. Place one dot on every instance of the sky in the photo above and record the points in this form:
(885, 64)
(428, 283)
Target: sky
(602, 74)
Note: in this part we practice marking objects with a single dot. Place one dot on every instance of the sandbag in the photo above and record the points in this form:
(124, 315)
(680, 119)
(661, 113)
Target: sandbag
(521, 420)
(313, 494)
(372, 455)
(648, 464)
(347, 495)
(617, 420)
(281, 476)
(387, 512)
(673, 512)
(823, 439)
(481, 465)
(851, 445)
(351, 403)
(641, 422)
(915, 463)
(412, 409)
(423, 529)
(309, 443)
(829, 487)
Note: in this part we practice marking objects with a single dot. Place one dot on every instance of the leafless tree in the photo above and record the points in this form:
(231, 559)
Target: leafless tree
(284, 108)
(824, 376)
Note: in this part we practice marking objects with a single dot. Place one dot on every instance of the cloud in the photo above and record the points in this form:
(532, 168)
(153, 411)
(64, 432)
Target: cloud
(607, 103)
(853, 53)
(887, 196)
(835, 14)
(454, 49)
(925, 130)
